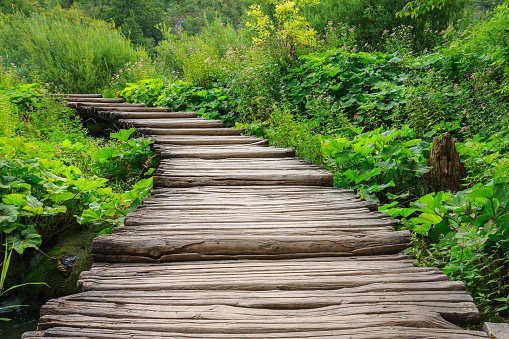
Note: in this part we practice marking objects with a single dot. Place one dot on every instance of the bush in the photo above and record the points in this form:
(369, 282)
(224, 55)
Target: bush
(381, 164)
(198, 58)
(372, 17)
(65, 50)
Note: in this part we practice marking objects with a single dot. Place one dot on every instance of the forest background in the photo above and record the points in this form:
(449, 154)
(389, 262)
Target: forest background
(360, 87)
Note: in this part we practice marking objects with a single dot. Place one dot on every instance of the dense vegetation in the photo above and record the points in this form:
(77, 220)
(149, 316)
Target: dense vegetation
(351, 84)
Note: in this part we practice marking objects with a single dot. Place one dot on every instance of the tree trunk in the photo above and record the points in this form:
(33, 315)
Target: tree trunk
(448, 172)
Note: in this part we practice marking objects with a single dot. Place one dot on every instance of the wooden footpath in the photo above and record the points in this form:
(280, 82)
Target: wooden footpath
(242, 240)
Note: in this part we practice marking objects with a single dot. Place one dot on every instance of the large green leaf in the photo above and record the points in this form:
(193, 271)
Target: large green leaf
(89, 184)
(24, 239)
(32, 202)
(122, 135)
(8, 214)
(411, 165)
(14, 199)
(89, 215)
(61, 197)
(8, 181)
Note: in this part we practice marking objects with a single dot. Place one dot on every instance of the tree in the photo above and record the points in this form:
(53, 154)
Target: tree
(138, 19)
(290, 28)
(418, 7)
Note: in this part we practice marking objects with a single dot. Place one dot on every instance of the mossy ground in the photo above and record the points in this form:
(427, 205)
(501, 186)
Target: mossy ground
(77, 243)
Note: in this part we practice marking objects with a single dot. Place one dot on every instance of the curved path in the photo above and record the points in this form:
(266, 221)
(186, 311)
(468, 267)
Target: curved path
(242, 240)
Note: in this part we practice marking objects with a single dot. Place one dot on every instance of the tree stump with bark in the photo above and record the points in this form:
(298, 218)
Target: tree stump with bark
(448, 172)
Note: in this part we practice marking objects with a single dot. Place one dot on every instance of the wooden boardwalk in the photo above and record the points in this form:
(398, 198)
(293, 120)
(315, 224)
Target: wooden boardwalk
(242, 240)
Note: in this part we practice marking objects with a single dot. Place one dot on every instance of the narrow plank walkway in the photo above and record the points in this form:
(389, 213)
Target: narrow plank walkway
(242, 240)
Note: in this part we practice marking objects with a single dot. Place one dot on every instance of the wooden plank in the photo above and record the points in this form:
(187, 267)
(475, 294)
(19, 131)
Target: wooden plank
(76, 95)
(190, 131)
(77, 104)
(153, 115)
(172, 123)
(92, 100)
(409, 318)
(135, 109)
(281, 205)
(281, 189)
(190, 165)
(259, 177)
(207, 140)
(497, 330)
(226, 152)
(168, 248)
(377, 332)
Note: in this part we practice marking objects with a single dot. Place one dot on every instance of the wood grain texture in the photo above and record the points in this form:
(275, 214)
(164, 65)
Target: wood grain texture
(189, 131)
(207, 140)
(209, 152)
(173, 123)
(151, 115)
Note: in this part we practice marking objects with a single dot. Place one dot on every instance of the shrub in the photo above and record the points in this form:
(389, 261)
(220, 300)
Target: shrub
(198, 58)
(289, 130)
(69, 52)
(8, 117)
(386, 164)
(372, 17)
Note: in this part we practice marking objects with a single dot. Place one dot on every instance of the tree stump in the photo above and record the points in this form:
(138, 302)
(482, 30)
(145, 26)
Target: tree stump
(448, 172)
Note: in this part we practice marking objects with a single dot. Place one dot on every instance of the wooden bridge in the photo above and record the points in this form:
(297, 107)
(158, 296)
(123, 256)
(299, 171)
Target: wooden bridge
(242, 240)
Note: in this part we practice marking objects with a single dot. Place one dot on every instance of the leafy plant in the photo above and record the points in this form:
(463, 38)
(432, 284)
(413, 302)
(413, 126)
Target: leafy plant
(214, 103)
(359, 83)
(465, 234)
(379, 164)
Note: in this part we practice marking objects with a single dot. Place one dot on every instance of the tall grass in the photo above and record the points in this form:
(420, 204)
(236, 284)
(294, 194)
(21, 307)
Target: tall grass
(65, 50)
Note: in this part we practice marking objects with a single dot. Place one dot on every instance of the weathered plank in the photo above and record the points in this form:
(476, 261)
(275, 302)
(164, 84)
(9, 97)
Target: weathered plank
(164, 248)
(172, 123)
(68, 96)
(93, 100)
(266, 191)
(209, 152)
(77, 104)
(190, 131)
(135, 109)
(243, 177)
(151, 115)
(359, 333)
(352, 284)
(208, 140)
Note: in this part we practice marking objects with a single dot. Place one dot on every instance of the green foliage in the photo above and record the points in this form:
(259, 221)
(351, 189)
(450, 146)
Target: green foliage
(418, 7)
(214, 103)
(371, 18)
(383, 164)
(69, 52)
(45, 183)
(467, 234)
(367, 86)
(287, 130)
(192, 16)
(8, 117)
(3, 274)
(40, 196)
(199, 58)
(287, 25)
(137, 20)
